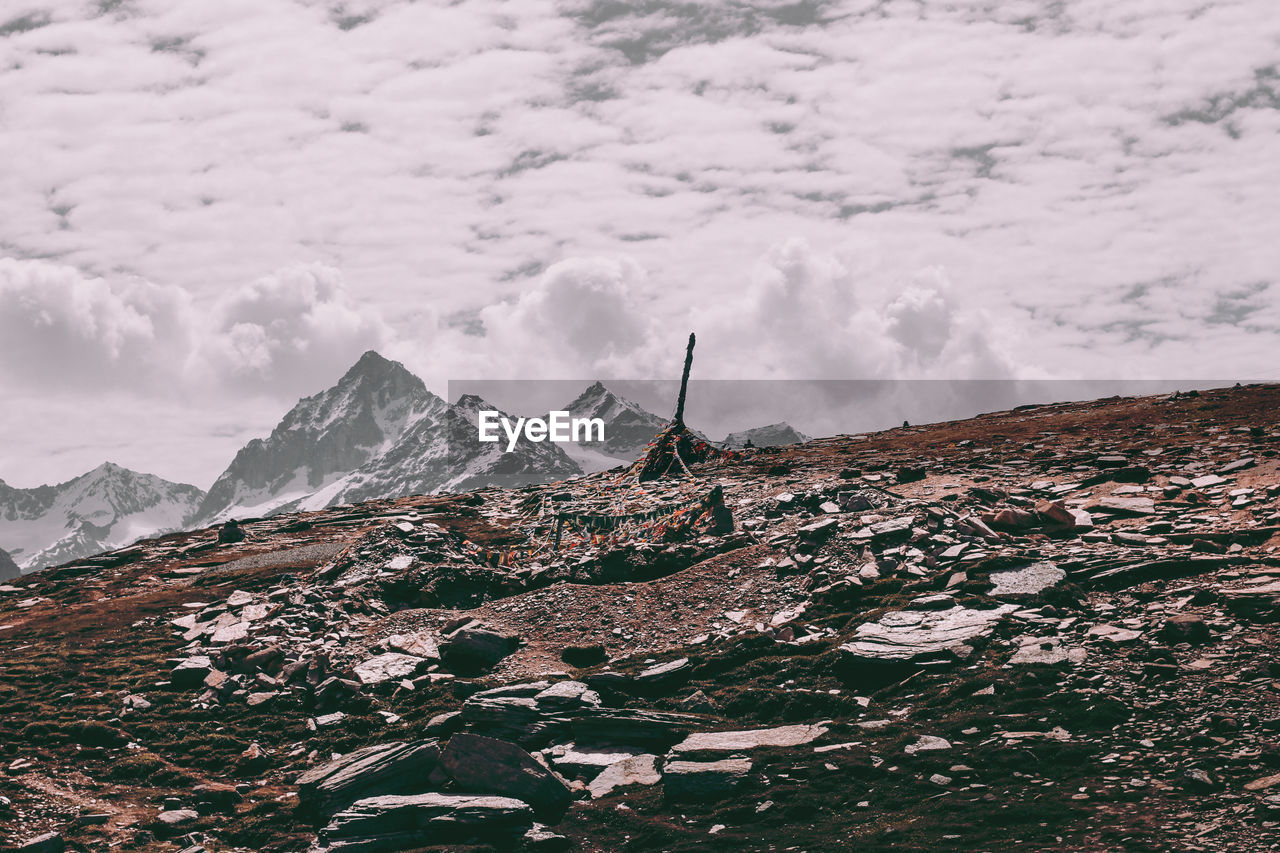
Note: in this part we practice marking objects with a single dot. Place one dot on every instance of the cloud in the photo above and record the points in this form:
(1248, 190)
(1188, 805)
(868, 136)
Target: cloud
(60, 329)
(296, 328)
(582, 316)
(780, 176)
(818, 315)
(285, 334)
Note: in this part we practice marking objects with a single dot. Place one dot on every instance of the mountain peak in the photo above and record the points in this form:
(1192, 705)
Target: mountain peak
(372, 364)
(473, 403)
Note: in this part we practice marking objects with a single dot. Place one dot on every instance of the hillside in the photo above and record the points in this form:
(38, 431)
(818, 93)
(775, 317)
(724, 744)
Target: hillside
(1052, 628)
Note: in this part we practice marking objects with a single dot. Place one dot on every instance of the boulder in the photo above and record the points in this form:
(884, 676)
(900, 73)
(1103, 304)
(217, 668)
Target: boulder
(703, 780)
(419, 645)
(565, 695)
(654, 729)
(178, 818)
(191, 671)
(390, 768)
(539, 839)
(927, 743)
(1114, 634)
(230, 533)
(477, 649)
(1185, 628)
(491, 766)
(515, 718)
(390, 823)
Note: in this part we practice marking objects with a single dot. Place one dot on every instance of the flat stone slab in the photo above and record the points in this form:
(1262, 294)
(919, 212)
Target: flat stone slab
(1049, 651)
(566, 694)
(906, 635)
(382, 769)
(664, 672)
(571, 760)
(927, 743)
(635, 770)
(391, 666)
(389, 823)
(1025, 581)
(749, 739)
(1124, 506)
(1113, 634)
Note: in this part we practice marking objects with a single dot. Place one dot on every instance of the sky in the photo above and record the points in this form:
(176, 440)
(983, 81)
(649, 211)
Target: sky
(209, 210)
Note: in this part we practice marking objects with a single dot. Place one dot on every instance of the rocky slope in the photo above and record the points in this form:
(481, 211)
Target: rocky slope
(1046, 629)
(107, 507)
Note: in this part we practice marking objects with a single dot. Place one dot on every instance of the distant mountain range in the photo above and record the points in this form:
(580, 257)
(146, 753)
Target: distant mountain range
(377, 433)
(108, 507)
(772, 435)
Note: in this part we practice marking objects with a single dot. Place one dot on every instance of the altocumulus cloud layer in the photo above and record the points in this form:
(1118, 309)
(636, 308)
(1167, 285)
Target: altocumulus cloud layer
(210, 209)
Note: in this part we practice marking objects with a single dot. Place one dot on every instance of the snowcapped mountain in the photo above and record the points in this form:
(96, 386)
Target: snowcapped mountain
(772, 435)
(109, 507)
(8, 568)
(322, 440)
(474, 463)
(627, 429)
(443, 452)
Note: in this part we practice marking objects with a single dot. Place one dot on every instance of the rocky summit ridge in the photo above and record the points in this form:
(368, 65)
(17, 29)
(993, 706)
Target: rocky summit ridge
(1053, 628)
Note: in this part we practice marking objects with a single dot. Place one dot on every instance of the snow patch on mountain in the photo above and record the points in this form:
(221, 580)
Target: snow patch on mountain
(108, 507)
(628, 428)
(321, 441)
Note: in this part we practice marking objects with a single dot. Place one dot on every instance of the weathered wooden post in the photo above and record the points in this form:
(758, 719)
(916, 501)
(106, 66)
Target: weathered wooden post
(684, 383)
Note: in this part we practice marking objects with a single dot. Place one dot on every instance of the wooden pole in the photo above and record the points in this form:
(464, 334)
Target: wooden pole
(684, 383)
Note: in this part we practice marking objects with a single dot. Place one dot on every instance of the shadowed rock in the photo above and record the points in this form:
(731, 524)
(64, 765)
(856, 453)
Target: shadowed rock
(477, 649)
(383, 769)
(703, 780)
(390, 823)
(492, 766)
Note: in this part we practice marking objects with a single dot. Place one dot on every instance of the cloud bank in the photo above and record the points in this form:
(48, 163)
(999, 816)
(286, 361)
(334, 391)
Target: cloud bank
(218, 206)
